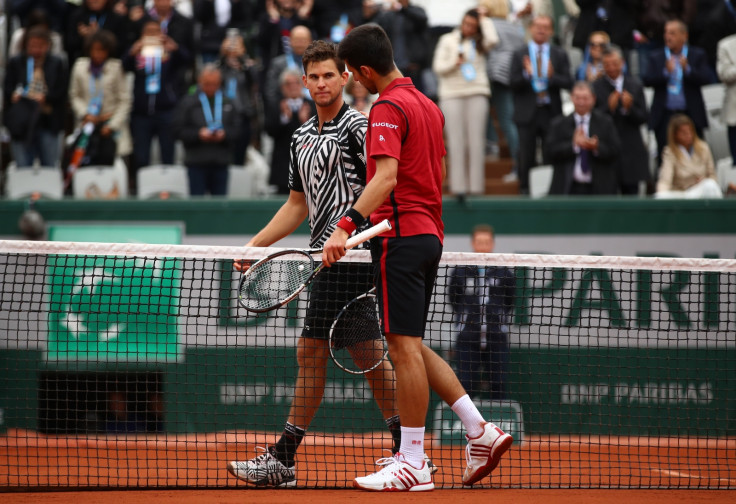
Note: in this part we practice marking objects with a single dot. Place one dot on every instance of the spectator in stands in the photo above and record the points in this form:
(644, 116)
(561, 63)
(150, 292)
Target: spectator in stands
(36, 17)
(676, 72)
(282, 120)
(34, 92)
(332, 19)
(299, 39)
(178, 30)
(510, 40)
(156, 62)
(523, 12)
(622, 97)
(583, 148)
(464, 90)
(99, 93)
(482, 300)
(717, 22)
(55, 11)
(207, 123)
(617, 19)
(407, 27)
(94, 15)
(239, 77)
(538, 73)
(727, 73)
(652, 15)
(275, 26)
(687, 170)
(591, 69)
(216, 18)
(358, 97)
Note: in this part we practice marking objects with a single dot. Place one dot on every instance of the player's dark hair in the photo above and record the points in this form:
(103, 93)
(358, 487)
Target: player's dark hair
(368, 45)
(321, 50)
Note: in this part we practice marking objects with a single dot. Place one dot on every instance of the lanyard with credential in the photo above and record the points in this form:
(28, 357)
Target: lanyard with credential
(213, 123)
(95, 101)
(539, 80)
(29, 74)
(100, 21)
(153, 74)
(467, 68)
(674, 86)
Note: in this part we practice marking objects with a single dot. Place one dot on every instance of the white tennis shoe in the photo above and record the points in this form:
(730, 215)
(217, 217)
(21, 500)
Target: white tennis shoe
(263, 470)
(396, 476)
(484, 452)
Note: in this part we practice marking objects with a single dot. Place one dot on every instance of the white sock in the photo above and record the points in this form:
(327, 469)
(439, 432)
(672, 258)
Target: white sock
(469, 415)
(412, 446)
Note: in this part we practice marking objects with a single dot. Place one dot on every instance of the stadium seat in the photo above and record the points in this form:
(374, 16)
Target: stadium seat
(725, 173)
(250, 180)
(101, 182)
(717, 138)
(22, 182)
(713, 98)
(154, 180)
(540, 178)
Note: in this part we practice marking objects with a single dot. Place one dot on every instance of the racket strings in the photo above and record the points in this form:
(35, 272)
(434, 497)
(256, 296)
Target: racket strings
(356, 343)
(270, 282)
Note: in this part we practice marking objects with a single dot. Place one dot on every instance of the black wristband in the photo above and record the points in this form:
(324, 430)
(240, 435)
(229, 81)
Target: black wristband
(355, 216)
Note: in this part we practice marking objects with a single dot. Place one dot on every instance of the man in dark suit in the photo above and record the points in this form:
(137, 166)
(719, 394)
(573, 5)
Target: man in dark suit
(676, 72)
(538, 73)
(622, 97)
(583, 148)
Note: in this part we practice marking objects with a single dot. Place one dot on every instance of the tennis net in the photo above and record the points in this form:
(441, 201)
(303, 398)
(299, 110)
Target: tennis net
(133, 366)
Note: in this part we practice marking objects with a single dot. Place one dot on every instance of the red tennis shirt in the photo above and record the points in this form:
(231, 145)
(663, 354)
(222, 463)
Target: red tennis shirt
(407, 126)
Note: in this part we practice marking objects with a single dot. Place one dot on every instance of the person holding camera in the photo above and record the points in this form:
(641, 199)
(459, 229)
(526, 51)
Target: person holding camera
(464, 89)
(207, 124)
(239, 78)
(156, 61)
(35, 91)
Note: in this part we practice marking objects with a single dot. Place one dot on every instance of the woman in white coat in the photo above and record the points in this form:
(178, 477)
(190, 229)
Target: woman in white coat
(99, 92)
(463, 90)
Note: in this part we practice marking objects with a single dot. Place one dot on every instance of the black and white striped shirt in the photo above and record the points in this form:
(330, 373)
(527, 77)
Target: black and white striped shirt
(329, 168)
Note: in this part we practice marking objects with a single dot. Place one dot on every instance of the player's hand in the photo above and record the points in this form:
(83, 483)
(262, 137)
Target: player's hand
(334, 249)
(242, 265)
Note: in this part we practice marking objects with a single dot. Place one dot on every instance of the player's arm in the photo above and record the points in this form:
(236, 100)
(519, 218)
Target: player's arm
(291, 214)
(375, 193)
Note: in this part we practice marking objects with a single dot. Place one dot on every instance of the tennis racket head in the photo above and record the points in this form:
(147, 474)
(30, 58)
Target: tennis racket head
(275, 280)
(356, 343)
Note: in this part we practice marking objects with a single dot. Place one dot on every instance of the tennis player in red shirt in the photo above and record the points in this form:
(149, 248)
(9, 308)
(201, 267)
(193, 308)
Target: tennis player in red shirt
(405, 168)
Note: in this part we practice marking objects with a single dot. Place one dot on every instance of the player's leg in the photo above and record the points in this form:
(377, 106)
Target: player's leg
(399, 283)
(275, 467)
(486, 442)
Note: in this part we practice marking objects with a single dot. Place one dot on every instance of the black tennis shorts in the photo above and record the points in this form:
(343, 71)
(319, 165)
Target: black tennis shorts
(330, 291)
(405, 270)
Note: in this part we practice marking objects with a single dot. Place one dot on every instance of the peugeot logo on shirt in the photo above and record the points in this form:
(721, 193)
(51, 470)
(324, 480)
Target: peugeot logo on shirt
(384, 125)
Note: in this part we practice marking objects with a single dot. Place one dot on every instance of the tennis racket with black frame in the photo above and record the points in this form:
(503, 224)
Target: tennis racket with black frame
(278, 278)
(356, 343)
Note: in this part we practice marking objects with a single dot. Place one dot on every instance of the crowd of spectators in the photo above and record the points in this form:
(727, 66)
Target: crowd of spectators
(134, 71)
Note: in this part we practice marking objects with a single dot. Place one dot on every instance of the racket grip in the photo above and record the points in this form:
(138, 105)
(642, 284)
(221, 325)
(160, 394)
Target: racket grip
(369, 233)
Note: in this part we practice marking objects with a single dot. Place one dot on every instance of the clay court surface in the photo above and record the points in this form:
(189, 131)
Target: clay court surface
(541, 470)
(456, 496)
